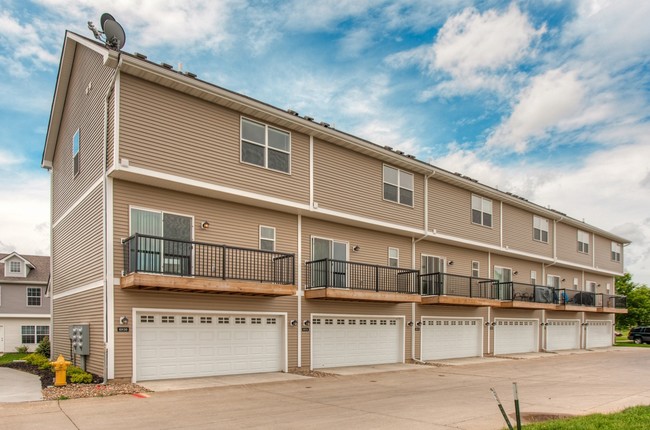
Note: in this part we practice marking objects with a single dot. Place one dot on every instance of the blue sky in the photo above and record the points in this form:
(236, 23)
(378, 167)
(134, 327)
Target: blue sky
(547, 99)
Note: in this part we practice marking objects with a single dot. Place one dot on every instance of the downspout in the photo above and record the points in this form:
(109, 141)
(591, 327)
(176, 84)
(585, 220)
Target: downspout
(109, 91)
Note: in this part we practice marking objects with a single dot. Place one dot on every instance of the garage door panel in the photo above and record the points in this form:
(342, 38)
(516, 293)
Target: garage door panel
(562, 335)
(174, 346)
(445, 338)
(515, 336)
(599, 333)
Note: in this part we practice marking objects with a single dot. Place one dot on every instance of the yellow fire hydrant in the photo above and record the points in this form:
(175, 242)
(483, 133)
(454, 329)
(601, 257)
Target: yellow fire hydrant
(60, 367)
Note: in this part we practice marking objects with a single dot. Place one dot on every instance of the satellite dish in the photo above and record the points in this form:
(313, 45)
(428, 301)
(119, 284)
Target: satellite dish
(104, 18)
(115, 36)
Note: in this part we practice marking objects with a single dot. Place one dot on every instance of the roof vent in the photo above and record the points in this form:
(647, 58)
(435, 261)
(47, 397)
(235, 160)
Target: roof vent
(390, 148)
(140, 56)
(308, 118)
(411, 156)
(397, 151)
(167, 66)
(325, 124)
(190, 74)
(292, 112)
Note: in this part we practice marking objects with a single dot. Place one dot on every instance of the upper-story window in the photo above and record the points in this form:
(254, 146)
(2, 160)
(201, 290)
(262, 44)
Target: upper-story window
(267, 238)
(265, 146)
(393, 257)
(75, 152)
(33, 296)
(14, 267)
(540, 229)
(398, 186)
(481, 211)
(475, 269)
(616, 251)
(583, 242)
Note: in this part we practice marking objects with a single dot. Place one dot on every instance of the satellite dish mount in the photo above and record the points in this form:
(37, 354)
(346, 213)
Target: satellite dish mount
(112, 33)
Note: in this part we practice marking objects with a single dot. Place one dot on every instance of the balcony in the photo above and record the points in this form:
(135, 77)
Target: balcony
(446, 289)
(345, 280)
(574, 300)
(527, 296)
(611, 303)
(156, 263)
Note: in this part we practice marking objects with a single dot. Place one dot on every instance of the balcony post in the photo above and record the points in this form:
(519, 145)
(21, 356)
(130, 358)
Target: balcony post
(223, 263)
(377, 278)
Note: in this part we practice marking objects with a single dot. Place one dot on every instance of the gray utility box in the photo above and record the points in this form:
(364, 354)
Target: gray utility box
(80, 337)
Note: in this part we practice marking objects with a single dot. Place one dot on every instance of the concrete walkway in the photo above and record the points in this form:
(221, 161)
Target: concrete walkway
(17, 386)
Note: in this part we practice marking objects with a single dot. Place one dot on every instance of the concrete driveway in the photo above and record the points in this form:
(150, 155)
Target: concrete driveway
(17, 386)
(426, 397)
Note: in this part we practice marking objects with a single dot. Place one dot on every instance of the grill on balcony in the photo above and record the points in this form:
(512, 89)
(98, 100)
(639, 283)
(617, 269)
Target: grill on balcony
(570, 297)
(328, 273)
(157, 255)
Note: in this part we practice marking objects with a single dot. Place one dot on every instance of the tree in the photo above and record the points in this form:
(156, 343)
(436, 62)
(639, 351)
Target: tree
(638, 302)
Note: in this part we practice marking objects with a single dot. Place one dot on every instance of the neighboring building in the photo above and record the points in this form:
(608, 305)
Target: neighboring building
(24, 301)
(200, 232)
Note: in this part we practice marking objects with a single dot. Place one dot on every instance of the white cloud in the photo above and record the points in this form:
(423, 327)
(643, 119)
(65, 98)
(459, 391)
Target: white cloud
(550, 100)
(355, 42)
(7, 159)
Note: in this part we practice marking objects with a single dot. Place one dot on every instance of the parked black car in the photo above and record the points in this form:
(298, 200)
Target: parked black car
(640, 334)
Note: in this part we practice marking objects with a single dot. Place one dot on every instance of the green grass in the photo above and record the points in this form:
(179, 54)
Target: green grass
(622, 340)
(636, 418)
(11, 356)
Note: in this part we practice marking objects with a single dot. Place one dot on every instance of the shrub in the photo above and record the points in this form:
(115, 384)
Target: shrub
(44, 347)
(22, 349)
(79, 376)
(38, 360)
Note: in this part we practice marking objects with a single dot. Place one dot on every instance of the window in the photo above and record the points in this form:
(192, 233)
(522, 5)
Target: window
(553, 281)
(75, 152)
(583, 242)
(267, 238)
(502, 274)
(475, 269)
(540, 229)
(533, 277)
(590, 286)
(265, 146)
(33, 296)
(14, 267)
(616, 251)
(575, 283)
(481, 211)
(398, 186)
(393, 257)
(34, 334)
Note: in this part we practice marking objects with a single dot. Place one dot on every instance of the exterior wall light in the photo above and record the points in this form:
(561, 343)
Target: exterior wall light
(306, 322)
(294, 323)
(205, 225)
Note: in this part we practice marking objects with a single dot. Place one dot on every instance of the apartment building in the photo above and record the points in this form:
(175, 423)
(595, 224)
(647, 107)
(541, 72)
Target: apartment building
(24, 301)
(197, 232)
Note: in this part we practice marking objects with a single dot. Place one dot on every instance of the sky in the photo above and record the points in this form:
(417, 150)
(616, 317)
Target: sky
(547, 99)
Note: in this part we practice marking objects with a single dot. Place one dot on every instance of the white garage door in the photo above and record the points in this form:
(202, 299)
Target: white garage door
(512, 336)
(451, 338)
(562, 334)
(353, 340)
(183, 345)
(599, 333)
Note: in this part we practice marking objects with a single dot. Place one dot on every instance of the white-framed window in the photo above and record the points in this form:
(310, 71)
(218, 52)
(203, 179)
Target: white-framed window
(533, 277)
(575, 283)
(267, 238)
(14, 267)
(31, 334)
(265, 146)
(393, 257)
(590, 286)
(540, 229)
(75, 152)
(553, 281)
(583, 242)
(502, 274)
(616, 252)
(34, 296)
(476, 272)
(481, 211)
(398, 186)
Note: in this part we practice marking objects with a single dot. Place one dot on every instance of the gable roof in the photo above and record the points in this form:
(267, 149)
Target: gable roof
(188, 83)
(40, 265)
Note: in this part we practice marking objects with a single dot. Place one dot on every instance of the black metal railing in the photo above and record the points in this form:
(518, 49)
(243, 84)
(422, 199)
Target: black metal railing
(328, 273)
(531, 293)
(567, 296)
(152, 254)
(611, 301)
(445, 284)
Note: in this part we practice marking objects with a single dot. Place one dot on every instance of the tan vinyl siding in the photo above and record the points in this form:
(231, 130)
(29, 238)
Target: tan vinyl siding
(462, 258)
(125, 301)
(373, 246)
(110, 149)
(352, 183)
(77, 245)
(340, 307)
(86, 113)
(566, 274)
(567, 245)
(82, 308)
(523, 267)
(450, 213)
(563, 315)
(518, 232)
(449, 311)
(230, 223)
(603, 250)
(170, 132)
(601, 282)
